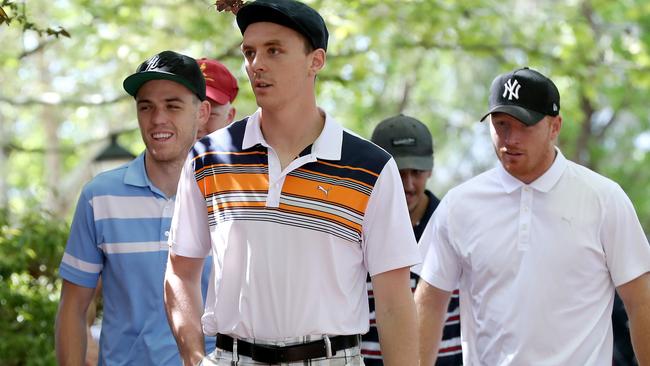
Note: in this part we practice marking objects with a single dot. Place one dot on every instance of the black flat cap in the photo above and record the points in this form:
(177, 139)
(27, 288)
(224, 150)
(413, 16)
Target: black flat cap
(289, 13)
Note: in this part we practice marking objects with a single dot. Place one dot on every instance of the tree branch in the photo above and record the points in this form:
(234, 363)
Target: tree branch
(65, 102)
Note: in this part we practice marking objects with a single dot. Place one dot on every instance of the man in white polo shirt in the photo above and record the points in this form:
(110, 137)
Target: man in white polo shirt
(296, 212)
(537, 246)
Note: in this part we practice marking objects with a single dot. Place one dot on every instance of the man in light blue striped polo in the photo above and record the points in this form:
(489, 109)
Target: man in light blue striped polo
(122, 221)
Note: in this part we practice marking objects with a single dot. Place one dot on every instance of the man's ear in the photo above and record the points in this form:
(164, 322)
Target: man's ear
(556, 125)
(231, 114)
(318, 58)
(203, 114)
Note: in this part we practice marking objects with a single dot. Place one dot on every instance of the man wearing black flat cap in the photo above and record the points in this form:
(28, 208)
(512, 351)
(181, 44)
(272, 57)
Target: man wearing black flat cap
(120, 227)
(538, 245)
(297, 212)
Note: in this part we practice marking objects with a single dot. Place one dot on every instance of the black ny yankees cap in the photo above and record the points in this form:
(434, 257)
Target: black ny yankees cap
(524, 94)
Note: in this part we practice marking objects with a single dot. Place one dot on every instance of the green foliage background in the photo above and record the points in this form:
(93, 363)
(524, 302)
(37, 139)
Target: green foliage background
(30, 252)
(432, 59)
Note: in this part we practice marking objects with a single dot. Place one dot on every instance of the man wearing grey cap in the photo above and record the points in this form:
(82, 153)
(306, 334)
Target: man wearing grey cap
(537, 245)
(409, 142)
(297, 212)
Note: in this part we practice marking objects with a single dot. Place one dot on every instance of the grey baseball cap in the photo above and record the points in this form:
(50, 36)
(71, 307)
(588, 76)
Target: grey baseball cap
(407, 140)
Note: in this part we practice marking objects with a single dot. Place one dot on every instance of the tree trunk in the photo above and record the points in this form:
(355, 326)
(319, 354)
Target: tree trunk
(52, 157)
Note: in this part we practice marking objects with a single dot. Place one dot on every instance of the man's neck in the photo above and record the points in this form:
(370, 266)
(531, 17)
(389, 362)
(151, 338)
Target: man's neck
(290, 130)
(164, 175)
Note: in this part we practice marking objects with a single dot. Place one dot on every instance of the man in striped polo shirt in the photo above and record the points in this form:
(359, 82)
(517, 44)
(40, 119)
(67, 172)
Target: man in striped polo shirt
(296, 212)
(122, 221)
(409, 142)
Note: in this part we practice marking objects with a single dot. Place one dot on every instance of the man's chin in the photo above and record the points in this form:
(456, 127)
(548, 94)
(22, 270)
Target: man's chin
(411, 206)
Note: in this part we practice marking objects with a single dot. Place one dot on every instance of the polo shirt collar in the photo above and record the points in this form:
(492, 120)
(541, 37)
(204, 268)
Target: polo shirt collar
(327, 146)
(543, 184)
(136, 175)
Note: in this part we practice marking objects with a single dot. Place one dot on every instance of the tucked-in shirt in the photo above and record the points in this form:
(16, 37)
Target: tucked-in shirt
(292, 246)
(537, 263)
(120, 231)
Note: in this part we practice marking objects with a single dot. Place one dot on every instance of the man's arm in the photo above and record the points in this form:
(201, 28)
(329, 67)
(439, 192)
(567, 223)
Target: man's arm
(92, 348)
(396, 317)
(184, 305)
(70, 327)
(431, 303)
(636, 297)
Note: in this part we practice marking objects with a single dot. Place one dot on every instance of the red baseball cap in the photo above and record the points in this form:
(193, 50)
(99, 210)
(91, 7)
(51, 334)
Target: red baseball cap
(220, 84)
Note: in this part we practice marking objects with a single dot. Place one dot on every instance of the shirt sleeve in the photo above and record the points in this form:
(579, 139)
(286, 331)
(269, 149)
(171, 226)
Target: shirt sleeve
(82, 260)
(442, 266)
(388, 239)
(624, 242)
(189, 235)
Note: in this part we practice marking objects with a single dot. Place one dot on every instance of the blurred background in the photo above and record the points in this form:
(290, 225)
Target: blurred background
(62, 63)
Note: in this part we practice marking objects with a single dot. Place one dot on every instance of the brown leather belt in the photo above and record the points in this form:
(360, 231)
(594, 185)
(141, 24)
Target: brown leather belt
(326, 347)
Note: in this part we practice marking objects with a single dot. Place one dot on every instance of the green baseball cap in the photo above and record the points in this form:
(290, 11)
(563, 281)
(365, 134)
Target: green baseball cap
(407, 140)
(168, 65)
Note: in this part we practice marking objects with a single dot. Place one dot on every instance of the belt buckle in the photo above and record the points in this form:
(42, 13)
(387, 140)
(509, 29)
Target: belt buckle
(328, 346)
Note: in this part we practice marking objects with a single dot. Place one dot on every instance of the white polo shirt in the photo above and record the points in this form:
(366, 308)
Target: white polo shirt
(292, 247)
(536, 264)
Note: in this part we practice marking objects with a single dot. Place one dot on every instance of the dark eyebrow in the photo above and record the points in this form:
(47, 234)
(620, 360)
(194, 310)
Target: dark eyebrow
(272, 42)
(167, 100)
(174, 99)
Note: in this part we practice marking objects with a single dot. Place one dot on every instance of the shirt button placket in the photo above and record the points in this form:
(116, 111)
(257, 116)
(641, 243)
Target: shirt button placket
(525, 218)
(168, 211)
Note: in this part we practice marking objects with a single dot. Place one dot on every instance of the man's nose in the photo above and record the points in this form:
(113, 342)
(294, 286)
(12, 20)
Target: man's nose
(258, 63)
(158, 116)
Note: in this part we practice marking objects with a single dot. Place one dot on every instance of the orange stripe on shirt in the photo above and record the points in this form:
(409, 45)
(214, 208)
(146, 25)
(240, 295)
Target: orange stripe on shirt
(221, 206)
(350, 167)
(336, 177)
(226, 182)
(343, 196)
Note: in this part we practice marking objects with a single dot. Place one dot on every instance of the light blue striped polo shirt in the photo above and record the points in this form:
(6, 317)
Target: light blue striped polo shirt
(120, 231)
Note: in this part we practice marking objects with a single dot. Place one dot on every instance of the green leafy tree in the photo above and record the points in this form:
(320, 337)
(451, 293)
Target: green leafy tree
(60, 98)
(23, 20)
(30, 252)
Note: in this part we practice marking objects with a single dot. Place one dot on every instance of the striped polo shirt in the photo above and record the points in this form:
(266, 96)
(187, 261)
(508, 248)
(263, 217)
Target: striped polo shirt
(120, 231)
(292, 246)
(449, 351)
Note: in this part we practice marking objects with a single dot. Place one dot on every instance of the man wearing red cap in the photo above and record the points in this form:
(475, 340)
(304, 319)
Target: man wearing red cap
(221, 90)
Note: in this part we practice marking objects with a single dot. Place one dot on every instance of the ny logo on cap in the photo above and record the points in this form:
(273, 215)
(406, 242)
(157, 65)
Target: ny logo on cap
(512, 89)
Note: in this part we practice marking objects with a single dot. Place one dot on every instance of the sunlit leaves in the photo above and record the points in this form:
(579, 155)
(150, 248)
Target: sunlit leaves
(21, 17)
